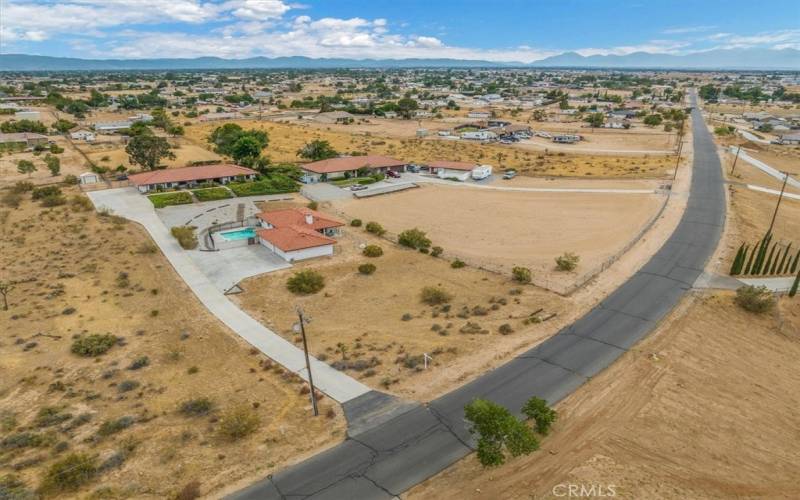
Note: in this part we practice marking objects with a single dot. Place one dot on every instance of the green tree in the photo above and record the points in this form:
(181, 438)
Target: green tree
(225, 136)
(498, 431)
(653, 120)
(414, 238)
(246, 150)
(406, 106)
(53, 164)
(536, 409)
(596, 119)
(317, 150)
(148, 151)
(26, 167)
(63, 126)
(792, 291)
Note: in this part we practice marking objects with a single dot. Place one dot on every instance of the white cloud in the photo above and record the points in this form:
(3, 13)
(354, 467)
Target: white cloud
(653, 46)
(687, 29)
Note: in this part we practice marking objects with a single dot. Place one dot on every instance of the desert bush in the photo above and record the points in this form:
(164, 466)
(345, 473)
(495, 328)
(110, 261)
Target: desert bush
(55, 200)
(505, 329)
(190, 491)
(536, 409)
(45, 191)
(69, 473)
(567, 262)
(355, 222)
(22, 440)
(71, 180)
(434, 296)
(48, 416)
(185, 236)
(414, 238)
(93, 345)
(521, 274)
(498, 431)
(757, 299)
(238, 422)
(139, 363)
(80, 203)
(367, 268)
(458, 264)
(22, 187)
(11, 199)
(436, 251)
(127, 385)
(196, 407)
(110, 427)
(375, 228)
(372, 251)
(305, 282)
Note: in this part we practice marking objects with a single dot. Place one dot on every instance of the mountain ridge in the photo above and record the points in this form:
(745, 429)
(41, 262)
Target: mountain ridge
(717, 59)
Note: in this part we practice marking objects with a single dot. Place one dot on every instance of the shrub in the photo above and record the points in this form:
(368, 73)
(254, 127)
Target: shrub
(367, 268)
(536, 409)
(305, 282)
(521, 274)
(196, 407)
(274, 184)
(355, 222)
(434, 296)
(45, 191)
(53, 201)
(505, 329)
(50, 415)
(185, 236)
(93, 345)
(313, 205)
(567, 262)
(238, 422)
(127, 385)
(757, 299)
(457, 264)
(372, 251)
(69, 473)
(110, 427)
(414, 238)
(139, 362)
(71, 180)
(211, 194)
(80, 203)
(436, 251)
(190, 491)
(11, 199)
(375, 228)
(498, 430)
(169, 199)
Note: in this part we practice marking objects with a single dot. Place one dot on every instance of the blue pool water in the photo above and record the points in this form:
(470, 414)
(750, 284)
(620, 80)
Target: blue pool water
(239, 234)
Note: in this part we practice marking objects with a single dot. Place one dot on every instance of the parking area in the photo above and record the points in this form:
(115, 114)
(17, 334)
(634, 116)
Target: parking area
(226, 268)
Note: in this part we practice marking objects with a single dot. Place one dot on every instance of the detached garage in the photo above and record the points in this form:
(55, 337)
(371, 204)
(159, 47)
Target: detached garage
(452, 169)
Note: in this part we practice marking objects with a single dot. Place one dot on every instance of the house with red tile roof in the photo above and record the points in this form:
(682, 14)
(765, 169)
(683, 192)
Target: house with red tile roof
(349, 166)
(186, 177)
(297, 233)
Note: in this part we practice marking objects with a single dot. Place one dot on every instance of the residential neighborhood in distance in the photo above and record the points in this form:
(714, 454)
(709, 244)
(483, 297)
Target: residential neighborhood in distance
(255, 249)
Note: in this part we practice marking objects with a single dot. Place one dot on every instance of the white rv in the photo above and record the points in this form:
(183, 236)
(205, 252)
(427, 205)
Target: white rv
(481, 172)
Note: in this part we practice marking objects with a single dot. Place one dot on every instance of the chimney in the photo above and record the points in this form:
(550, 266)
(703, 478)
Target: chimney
(309, 219)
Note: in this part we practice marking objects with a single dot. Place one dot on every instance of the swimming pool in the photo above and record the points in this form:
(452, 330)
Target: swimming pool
(239, 234)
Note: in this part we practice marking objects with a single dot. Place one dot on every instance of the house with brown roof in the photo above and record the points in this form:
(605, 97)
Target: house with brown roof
(187, 177)
(349, 166)
(460, 170)
(297, 233)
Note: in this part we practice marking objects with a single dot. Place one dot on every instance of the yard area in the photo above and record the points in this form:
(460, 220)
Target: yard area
(502, 229)
(113, 155)
(71, 163)
(82, 274)
(162, 200)
(377, 328)
(211, 194)
(287, 138)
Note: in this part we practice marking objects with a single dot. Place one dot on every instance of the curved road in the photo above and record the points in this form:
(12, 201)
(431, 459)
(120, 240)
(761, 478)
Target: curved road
(395, 455)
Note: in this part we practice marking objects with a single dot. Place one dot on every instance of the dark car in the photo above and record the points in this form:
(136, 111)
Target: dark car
(392, 173)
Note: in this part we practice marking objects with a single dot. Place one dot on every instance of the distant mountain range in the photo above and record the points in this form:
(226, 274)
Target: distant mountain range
(741, 59)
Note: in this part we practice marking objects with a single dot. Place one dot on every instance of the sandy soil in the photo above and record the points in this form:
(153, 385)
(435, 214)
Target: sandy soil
(738, 109)
(502, 229)
(365, 313)
(184, 154)
(785, 158)
(72, 162)
(286, 139)
(703, 408)
(70, 264)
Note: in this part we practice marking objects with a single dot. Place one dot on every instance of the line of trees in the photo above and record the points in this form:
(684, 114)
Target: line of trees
(765, 258)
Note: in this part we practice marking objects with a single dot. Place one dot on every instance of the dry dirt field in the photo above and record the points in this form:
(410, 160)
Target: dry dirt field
(785, 158)
(185, 153)
(384, 326)
(498, 230)
(71, 163)
(83, 274)
(286, 139)
(738, 109)
(706, 407)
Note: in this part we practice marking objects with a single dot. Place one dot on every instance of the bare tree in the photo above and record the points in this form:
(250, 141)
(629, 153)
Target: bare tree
(5, 288)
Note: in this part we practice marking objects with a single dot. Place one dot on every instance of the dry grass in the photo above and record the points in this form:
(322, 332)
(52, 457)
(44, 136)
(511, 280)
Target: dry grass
(112, 155)
(83, 274)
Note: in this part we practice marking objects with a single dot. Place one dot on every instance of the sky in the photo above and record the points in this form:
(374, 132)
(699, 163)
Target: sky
(507, 30)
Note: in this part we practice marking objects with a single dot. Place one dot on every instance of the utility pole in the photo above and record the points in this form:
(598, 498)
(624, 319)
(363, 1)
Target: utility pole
(780, 197)
(678, 161)
(303, 321)
(738, 150)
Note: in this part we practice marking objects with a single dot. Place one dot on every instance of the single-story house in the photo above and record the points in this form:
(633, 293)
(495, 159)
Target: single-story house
(348, 166)
(390, 114)
(479, 114)
(83, 135)
(112, 127)
(793, 139)
(189, 176)
(28, 115)
(333, 117)
(460, 170)
(29, 139)
(479, 135)
(297, 233)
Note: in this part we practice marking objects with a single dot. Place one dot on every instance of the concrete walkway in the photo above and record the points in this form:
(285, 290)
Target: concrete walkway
(128, 203)
(750, 137)
(776, 192)
(774, 284)
(774, 172)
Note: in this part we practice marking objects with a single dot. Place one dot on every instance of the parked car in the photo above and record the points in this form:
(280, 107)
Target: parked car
(393, 174)
(414, 168)
(545, 135)
(510, 174)
(357, 187)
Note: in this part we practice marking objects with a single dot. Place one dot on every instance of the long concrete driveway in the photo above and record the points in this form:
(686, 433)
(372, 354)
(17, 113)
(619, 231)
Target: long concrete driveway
(128, 203)
(771, 171)
(392, 457)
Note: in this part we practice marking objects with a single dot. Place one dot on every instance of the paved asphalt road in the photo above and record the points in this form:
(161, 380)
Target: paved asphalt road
(397, 454)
